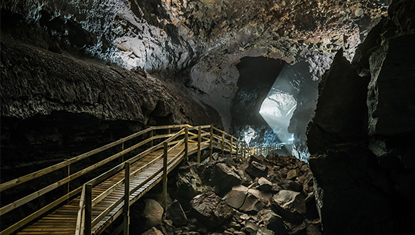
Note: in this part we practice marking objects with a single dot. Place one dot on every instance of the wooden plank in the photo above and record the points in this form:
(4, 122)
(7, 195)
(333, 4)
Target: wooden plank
(38, 213)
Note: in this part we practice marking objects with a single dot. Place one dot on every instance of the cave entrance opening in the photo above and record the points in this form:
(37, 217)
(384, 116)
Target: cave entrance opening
(289, 107)
(256, 77)
(279, 105)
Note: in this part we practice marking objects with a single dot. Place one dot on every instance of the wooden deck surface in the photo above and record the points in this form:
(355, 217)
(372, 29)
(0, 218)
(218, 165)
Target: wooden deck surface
(63, 219)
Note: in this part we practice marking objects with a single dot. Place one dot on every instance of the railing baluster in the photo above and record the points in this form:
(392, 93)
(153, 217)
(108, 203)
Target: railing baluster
(88, 209)
(165, 176)
(151, 133)
(199, 139)
(223, 142)
(237, 147)
(211, 143)
(127, 199)
(186, 143)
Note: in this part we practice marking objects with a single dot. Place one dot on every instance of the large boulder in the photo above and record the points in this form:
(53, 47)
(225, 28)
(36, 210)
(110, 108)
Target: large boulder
(210, 209)
(152, 231)
(272, 221)
(290, 204)
(247, 200)
(264, 185)
(176, 214)
(256, 169)
(188, 183)
(224, 178)
(153, 212)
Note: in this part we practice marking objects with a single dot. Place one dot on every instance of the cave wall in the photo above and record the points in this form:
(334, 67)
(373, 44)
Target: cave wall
(361, 135)
(54, 106)
(197, 43)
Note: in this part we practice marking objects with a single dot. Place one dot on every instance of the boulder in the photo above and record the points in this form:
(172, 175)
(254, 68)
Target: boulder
(264, 185)
(256, 169)
(272, 221)
(258, 158)
(176, 214)
(188, 182)
(292, 174)
(246, 200)
(152, 231)
(290, 204)
(210, 209)
(290, 185)
(245, 177)
(264, 231)
(250, 228)
(153, 212)
(224, 178)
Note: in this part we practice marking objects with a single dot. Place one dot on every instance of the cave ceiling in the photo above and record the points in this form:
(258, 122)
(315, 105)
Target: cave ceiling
(161, 35)
(199, 42)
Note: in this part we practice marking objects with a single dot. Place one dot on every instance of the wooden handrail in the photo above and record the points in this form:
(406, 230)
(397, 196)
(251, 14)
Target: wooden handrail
(206, 133)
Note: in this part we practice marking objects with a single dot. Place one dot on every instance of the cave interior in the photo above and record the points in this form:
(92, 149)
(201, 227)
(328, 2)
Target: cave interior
(332, 81)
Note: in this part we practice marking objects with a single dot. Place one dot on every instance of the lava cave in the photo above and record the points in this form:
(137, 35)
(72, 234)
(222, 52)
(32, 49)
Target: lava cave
(331, 81)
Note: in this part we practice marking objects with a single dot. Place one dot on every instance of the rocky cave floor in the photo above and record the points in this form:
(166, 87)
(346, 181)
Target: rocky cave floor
(255, 195)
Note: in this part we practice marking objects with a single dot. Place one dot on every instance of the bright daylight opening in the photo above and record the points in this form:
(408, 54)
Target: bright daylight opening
(277, 109)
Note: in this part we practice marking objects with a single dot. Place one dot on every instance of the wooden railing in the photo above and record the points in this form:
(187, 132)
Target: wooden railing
(206, 137)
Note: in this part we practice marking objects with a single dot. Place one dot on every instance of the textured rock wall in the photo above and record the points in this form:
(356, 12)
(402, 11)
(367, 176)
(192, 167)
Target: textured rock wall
(198, 42)
(56, 105)
(361, 135)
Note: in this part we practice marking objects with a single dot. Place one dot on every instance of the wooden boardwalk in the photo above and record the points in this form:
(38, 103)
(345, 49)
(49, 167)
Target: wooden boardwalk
(91, 208)
(63, 220)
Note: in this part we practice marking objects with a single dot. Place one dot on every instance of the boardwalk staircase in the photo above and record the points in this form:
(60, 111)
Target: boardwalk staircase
(100, 185)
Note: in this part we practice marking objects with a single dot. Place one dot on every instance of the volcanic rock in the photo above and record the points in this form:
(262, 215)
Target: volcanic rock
(176, 214)
(153, 212)
(210, 209)
(224, 178)
(272, 221)
(256, 169)
(290, 204)
(264, 185)
(152, 231)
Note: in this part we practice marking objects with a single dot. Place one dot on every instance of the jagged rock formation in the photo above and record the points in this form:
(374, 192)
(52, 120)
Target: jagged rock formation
(54, 106)
(361, 133)
(198, 42)
(282, 202)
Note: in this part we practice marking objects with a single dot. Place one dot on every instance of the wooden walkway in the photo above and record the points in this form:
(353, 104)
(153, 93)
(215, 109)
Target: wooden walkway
(90, 209)
(63, 220)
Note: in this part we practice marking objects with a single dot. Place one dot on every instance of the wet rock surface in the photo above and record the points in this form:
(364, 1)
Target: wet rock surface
(364, 171)
(252, 209)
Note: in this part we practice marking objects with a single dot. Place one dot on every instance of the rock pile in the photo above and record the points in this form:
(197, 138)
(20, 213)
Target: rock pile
(257, 195)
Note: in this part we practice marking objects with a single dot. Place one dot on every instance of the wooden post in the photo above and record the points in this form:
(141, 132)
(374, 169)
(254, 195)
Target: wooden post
(122, 149)
(67, 173)
(169, 131)
(199, 139)
(223, 142)
(186, 143)
(88, 209)
(127, 199)
(237, 147)
(165, 176)
(151, 135)
(232, 146)
(211, 143)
